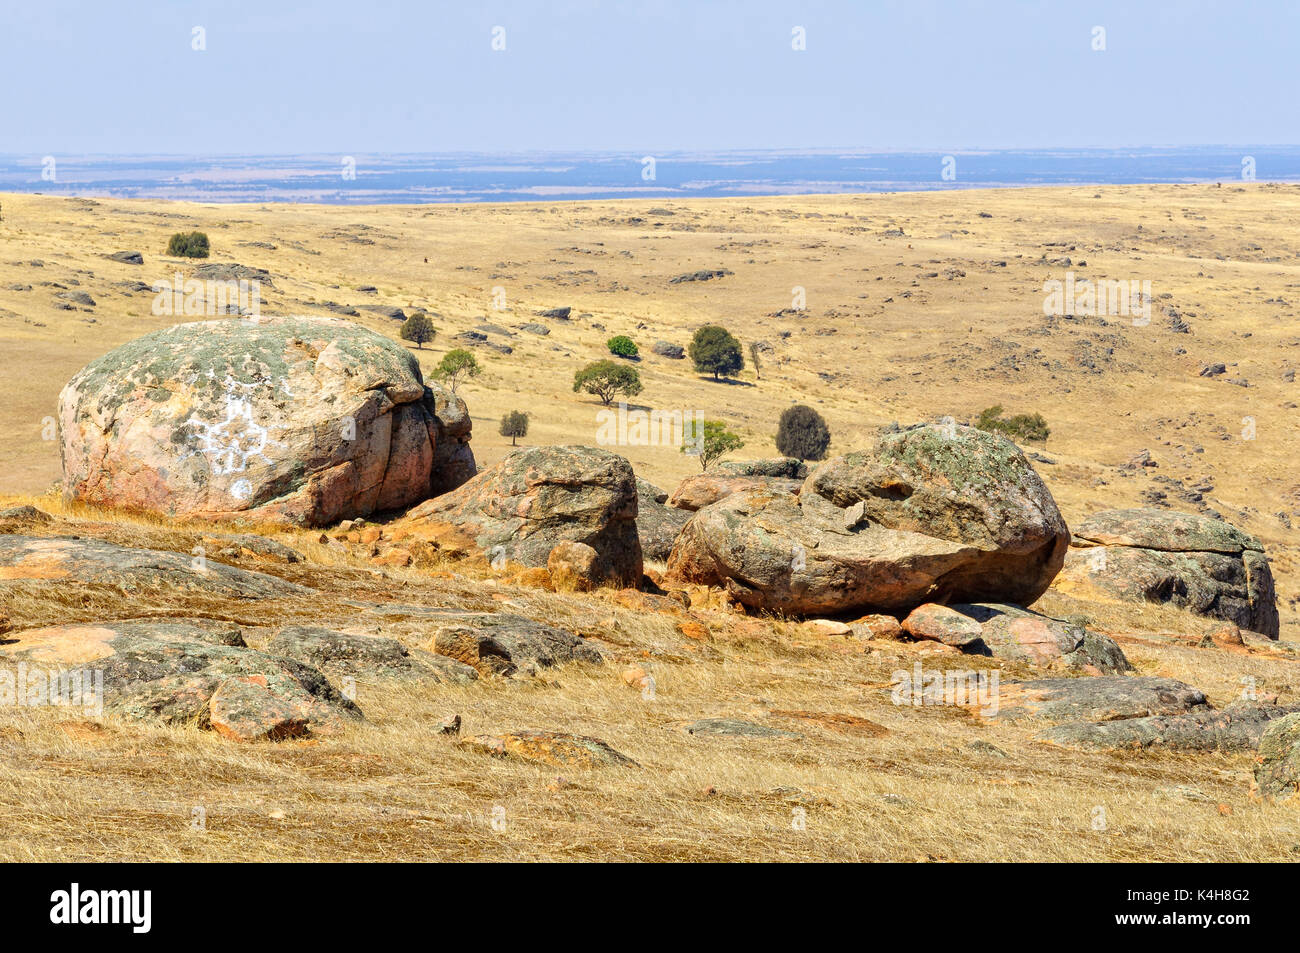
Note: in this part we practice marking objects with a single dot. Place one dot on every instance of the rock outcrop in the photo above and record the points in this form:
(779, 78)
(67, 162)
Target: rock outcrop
(303, 420)
(1238, 727)
(704, 489)
(657, 525)
(1019, 635)
(536, 497)
(930, 513)
(1277, 775)
(1194, 562)
(186, 672)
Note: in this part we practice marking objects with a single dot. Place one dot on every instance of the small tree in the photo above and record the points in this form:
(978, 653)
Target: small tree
(417, 328)
(457, 366)
(715, 351)
(622, 346)
(514, 425)
(188, 245)
(709, 439)
(753, 357)
(606, 379)
(802, 433)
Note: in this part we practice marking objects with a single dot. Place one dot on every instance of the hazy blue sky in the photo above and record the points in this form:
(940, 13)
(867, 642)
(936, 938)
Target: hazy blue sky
(374, 76)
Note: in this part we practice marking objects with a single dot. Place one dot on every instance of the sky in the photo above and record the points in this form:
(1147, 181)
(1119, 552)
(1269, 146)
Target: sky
(404, 76)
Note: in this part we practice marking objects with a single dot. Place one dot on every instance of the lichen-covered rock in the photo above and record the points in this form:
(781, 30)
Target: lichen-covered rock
(364, 655)
(536, 497)
(1102, 698)
(738, 728)
(551, 748)
(941, 624)
(1277, 774)
(657, 525)
(931, 513)
(1019, 635)
(304, 420)
(502, 643)
(787, 468)
(56, 559)
(1238, 727)
(1194, 562)
(703, 489)
(189, 672)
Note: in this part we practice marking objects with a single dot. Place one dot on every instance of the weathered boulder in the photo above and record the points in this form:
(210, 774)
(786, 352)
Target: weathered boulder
(786, 468)
(930, 513)
(188, 672)
(1103, 698)
(1277, 774)
(941, 624)
(657, 525)
(503, 643)
(703, 489)
(1238, 727)
(363, 655)
(533, 499)
(55, 559)
(1019, 635)
(553, 748)
(573, 566)
(665, 349)
(304, 420)
(1191, 561)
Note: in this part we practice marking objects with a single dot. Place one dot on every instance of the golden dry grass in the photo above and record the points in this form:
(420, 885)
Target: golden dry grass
(78, 788)
(886, 336)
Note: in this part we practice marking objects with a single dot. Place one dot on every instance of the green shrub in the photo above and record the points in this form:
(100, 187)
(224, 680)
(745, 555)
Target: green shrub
(188, 245)
(622, 346)
(1031, 427)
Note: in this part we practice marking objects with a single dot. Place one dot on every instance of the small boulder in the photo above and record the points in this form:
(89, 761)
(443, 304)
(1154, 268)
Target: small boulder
(573, 566)
(502, 644)
(942, 624)
(1277, 773)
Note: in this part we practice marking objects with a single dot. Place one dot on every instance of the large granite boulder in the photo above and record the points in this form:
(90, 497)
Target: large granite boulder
(536, 497)
(1194, 562)
(304, 420)
(657, 525)
(931, 513)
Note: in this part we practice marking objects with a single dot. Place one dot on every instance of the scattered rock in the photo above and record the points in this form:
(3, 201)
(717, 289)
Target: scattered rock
(1238, 727)
(672, 351)
(942, 624)
(1019, 635)
(72, 560)
(502, 644)
(574, 566)
(552, 748)
(703, 489)
(128, 257)
(190, 672)
(364, 655)
(1101, 698)
(1194, 562)
(1277, 774)
(736, 727)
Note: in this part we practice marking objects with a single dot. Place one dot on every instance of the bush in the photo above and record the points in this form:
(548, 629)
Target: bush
(457, 366)
(709, 439)
(514, 425)
(188, 245)
(417, 328)
(1031, 427)
(802, 433)
(716, 352)
(622, 345)
(605, 379)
